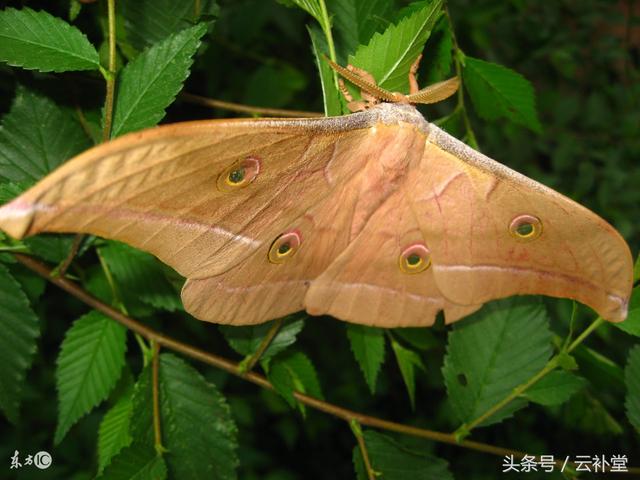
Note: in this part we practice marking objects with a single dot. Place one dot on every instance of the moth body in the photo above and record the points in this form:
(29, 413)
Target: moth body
(377, 217)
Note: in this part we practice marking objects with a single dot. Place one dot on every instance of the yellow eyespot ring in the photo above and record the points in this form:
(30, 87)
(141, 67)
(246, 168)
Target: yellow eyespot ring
(415, 258)
(285, 246)
(525, 227)
(240, 174)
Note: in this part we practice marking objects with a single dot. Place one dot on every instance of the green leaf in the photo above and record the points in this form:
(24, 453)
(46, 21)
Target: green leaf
(419, 337)
(355, 21)
(10, 190)
(148, 22)
(492, 352)
(602, 372)
(20, 329)
(438, 57)
(141, 423)
(88, 366)
(246, 340)
(40, 41)
(407, 361)
(367, 345)
(36, 136)
(312, 7)
(74, 9)
(148, 84)
(636, 270)
(136, 462)
(113, 434)
(498, 91)
(395, 461)
(330, 94)
(555, 388)
(586, 413)
(52, 248)
(198, 429)
(33, 285)
(140, 275)
(632, 324)
(277, 83)
(632, 379)
(389, 55)
(293, 371)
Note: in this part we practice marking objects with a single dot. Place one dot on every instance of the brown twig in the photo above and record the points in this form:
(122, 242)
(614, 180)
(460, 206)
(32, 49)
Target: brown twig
(232, 368)
(75, 246)
(238, 107)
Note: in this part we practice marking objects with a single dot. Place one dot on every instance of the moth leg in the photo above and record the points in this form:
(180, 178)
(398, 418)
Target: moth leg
(345, 92)
(352, 105)
(368, 100)
(413, 81)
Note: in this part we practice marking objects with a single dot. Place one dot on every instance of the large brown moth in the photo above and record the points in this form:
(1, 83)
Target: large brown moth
(378, 217)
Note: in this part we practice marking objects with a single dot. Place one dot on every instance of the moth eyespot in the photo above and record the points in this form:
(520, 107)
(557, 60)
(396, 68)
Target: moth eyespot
(525, 227)
(415, 258)
(285, 246)
(239, 175)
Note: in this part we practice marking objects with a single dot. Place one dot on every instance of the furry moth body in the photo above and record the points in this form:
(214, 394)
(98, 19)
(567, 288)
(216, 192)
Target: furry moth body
(377, 217)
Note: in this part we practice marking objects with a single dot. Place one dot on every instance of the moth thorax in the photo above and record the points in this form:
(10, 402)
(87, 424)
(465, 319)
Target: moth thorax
(399, 146)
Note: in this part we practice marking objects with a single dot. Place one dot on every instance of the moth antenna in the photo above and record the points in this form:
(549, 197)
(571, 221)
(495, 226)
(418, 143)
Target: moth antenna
(436, 92)
(368, 87)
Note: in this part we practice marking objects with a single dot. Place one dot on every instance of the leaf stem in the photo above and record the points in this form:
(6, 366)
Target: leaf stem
(458, 59)
(357, 432)
(238, 107)
(248, 364)
(110, 75)
(73, 251)
(196, 10)
(325, 24)
(155, 368)
(580, 338)
(255, 378)
(110, 80)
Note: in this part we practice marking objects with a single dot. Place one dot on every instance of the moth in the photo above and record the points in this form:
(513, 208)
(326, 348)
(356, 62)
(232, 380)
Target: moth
(377, 217)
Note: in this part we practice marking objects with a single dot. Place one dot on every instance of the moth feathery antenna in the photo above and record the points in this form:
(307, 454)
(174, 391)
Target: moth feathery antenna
(435, 93)
(371, 92)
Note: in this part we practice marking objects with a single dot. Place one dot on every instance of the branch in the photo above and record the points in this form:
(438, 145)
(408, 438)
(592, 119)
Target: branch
(248, 363)
(233, 368)
(238, 107)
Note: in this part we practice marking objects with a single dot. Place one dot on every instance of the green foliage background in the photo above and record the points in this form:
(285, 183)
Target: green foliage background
(75, 383)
